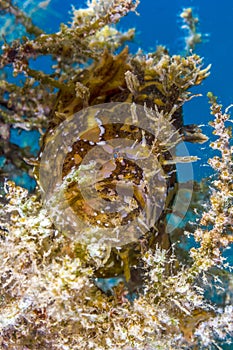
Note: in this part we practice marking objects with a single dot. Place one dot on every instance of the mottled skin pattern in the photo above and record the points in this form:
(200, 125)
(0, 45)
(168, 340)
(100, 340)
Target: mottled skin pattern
(105, 82)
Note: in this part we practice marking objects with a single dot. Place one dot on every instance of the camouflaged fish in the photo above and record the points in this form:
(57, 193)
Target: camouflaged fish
(154, 83)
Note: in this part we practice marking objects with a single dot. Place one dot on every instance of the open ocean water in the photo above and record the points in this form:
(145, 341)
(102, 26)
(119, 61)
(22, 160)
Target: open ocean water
(159, 23)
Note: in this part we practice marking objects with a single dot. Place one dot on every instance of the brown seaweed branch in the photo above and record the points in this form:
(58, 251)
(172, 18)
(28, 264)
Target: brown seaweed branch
(220, 213)
(6, 6)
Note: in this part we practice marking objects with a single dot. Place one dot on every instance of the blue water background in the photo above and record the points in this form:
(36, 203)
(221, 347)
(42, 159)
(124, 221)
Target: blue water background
(159, 23)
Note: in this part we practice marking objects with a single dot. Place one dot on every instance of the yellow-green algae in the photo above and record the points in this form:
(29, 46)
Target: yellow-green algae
(48, 296)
